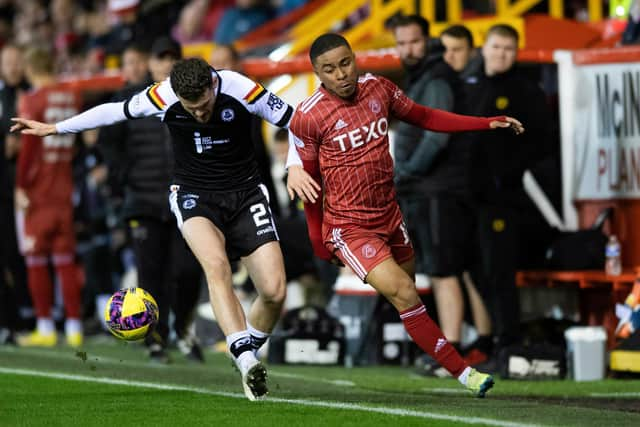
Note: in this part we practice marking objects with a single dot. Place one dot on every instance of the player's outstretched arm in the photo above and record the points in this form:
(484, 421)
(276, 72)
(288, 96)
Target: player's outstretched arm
(444, 121)
(507, 122)
(33, 127)
(98, 116)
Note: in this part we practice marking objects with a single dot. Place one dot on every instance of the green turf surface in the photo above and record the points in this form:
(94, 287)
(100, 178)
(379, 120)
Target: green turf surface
(112, 383)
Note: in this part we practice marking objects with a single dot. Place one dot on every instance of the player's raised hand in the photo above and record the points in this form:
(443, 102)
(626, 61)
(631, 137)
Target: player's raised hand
(32, 127)
(300, 183)
(508, 122)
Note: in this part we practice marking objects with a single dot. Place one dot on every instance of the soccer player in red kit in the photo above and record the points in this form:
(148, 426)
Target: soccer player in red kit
(341, 136)
(44, 187)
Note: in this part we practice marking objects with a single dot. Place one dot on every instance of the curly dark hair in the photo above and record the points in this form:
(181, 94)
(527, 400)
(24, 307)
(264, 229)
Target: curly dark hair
(190, 78)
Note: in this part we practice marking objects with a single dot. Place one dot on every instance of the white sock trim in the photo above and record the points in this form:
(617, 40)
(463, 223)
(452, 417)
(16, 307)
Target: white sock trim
(231, 338)
(256, 333)
(464, 376)
(72, 326)
(45, 325)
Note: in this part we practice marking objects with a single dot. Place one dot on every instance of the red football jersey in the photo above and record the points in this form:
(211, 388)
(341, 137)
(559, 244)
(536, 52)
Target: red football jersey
(44, 164)
(349, 139)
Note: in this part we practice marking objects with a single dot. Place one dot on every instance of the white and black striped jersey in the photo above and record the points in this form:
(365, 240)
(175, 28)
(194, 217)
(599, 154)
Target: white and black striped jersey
(218, 155)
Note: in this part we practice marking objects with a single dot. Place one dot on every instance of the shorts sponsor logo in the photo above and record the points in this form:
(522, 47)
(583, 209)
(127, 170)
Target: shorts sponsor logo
(227, 115)
(189, 204)
(368, 251)
(266, 230)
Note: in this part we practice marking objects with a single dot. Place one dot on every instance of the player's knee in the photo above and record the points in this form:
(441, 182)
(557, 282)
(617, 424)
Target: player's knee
(274, 292)
(217, 269)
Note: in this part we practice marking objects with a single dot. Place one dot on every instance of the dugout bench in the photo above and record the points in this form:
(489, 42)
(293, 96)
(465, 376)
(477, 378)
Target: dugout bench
(598, 292)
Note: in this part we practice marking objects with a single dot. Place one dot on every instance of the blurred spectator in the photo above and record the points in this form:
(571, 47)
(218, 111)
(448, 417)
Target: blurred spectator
(7, 12)
(140, 156)
(457, 41)
(460, 54)
(191, 23)
(92, 203)
(631, 33)
(135, 65)
(13, 275)
(246, 16)
(44, 188)
(498, 162)
(164, 53)
(139, 22)
(226, 57)
(30, 25)
(214, 14)
(286, 6)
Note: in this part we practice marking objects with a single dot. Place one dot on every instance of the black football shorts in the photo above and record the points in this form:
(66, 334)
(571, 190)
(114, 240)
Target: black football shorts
(244, 217)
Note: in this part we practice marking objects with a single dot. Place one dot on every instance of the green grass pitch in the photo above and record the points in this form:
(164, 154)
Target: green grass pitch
(111, 383)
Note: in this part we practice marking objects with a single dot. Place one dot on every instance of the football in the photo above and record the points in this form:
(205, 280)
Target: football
(131, 314)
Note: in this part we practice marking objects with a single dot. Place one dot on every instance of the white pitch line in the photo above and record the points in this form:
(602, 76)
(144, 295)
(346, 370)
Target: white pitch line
(343, 383)
(617, 394)
(113, 360)
(303, 402)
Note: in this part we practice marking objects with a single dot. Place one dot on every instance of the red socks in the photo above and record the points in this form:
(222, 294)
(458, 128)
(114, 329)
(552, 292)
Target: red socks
(41, 289)
(426, 334)
(71, 289)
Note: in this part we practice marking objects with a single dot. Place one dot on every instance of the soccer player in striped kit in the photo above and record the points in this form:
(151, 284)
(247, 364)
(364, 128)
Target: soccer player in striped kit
(341, 136)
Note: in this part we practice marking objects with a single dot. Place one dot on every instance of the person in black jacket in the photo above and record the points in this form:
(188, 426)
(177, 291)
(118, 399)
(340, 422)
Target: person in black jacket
(497, 166)
(13, 292)
(140, 153)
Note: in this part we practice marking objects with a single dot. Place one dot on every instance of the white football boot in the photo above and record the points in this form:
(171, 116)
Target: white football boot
(254, 376)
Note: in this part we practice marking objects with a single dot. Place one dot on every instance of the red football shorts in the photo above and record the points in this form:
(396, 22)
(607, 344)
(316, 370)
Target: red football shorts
(362, 248)
(48, 230)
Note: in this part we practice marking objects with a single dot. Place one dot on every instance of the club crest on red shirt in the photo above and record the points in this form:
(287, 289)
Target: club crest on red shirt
(374, 105)
(368, 251)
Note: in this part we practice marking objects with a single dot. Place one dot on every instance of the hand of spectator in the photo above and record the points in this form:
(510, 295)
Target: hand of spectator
(32, 127)
(21, 199)
(507, 122)
(300, 183)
